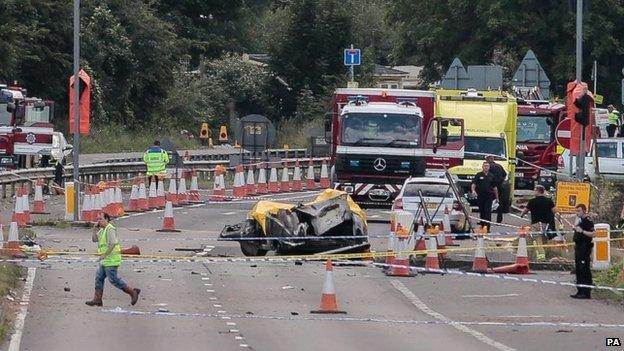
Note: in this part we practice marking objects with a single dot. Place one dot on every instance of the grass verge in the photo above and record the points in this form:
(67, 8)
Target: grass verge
(10, 275)
(609, 277)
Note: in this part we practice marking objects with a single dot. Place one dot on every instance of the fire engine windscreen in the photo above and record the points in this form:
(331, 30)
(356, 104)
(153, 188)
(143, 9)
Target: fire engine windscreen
(535, 129)
(381, 129)
(477, 147)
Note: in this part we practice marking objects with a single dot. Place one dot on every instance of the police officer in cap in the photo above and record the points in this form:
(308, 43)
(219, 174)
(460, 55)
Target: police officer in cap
(485, 189)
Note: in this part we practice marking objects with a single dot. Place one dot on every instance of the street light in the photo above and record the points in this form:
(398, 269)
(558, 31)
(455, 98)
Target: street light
(76, 151)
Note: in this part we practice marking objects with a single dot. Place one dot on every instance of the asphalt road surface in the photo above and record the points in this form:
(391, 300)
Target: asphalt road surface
(266, 306)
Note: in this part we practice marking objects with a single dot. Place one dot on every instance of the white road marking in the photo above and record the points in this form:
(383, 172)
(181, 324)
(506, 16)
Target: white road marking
(16, 338)
(501, 295)
(424, 308)
(229, 213)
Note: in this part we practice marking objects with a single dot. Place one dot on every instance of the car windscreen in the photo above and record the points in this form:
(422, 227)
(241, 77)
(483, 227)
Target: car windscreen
(534, 129)
(381, 129)
(477, 147)
(428, 190)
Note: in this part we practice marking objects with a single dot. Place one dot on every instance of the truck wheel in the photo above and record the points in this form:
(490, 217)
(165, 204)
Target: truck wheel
(505, 197)
(252, 248)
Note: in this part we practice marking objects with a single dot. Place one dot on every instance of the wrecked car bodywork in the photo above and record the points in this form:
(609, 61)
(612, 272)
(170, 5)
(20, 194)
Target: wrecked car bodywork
(333, 213)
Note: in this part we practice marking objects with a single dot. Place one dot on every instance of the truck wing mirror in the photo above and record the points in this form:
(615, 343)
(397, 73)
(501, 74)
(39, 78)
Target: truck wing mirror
(328, 122)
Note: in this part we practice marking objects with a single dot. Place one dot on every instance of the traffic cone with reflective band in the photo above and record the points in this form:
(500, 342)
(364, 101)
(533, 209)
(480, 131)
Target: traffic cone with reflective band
(26, 204)
(172, 194)
(421, 239)
(168, 221)
(182, 194)
(133, 203)
(296, 184)
(262, 180)
(310, 182)
(273, 184)
(432, 261)
(480, 264)
(328, 298)
(218, 186)
(119, 208)
(440, 238)
(391, 239)
(87, 206)
(194, 195)
(39, 205)
(18, 213)
(400, 267)
(143, 202)
(240, 189)
(522, 260)
(446, 220)
(160, 193)
(152, 201)
(325, 183)
(96, 208)
(13, 238)
(285, 183)
(251, 184)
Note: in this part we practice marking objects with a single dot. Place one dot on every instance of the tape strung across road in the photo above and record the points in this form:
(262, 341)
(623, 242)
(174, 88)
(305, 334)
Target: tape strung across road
(120, 310)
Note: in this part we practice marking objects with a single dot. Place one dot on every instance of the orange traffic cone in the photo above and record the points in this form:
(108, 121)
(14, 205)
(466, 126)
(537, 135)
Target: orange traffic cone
(18, 213)
(285, 183)
(119, 208)
(325, 182)
(39, 205)
(273, 184)
(194, 195)
(182, 194)
(172, 194)
(132, 250)
(310, 182)
(432, 261)
(133, 203)
(251, 184)
(96, 203)
(441, 238)
(168, 221)
(446, 220)
(400, 267)
(328, 299)
(13, 239)
(522, 260)
(87, 206)
(143, 201)
(421, 239)
(480, 264)
(262, 180)
(218, 187)
(26, 204)
(391, 239)
(297, 184)
(240, 189)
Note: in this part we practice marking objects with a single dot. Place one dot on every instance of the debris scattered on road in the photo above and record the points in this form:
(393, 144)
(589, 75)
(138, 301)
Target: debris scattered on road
(564, 331)
(67, 289)
(138, 270)
(298, 263)
(253, 266)
(287, 287)
(163, 310)
(249, 313)
(294, 313)
(160, 305)
(10, 298)
(194, 273)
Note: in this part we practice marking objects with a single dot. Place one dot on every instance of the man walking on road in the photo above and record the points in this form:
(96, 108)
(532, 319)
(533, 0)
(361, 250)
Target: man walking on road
(583, 234)
(543, 212)
(156, 160)
(109, 251)
(499, 177)
(484, 188)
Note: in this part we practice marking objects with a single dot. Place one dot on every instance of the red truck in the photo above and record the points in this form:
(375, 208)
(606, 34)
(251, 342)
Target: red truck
(536, 144)
(26, 131)
(380, 137)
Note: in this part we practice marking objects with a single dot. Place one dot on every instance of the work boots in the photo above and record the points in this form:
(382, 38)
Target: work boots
(97, 298)
(134, 294)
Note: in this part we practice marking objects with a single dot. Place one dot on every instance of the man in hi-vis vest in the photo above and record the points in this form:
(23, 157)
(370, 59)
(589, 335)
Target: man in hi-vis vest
(156, 160)
(109, 252)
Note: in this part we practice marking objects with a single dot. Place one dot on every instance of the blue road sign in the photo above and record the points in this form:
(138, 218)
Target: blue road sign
(352, 57)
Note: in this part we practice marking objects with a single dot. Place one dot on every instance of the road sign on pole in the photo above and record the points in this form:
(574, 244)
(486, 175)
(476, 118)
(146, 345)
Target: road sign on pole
(563, 133)
(352, 57)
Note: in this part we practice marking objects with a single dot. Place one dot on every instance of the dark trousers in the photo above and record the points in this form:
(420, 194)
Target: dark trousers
(499, 213)
(149, 181)
(611, 128)
(582, 253)
(484, 201)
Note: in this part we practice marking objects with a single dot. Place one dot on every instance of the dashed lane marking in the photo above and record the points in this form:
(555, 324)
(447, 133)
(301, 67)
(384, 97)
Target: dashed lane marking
(424, 308)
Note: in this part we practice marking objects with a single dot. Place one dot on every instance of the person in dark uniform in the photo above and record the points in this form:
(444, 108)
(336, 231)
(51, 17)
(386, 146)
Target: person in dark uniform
(583, 234)
(484, 187)
(499, 177)
(543, 213)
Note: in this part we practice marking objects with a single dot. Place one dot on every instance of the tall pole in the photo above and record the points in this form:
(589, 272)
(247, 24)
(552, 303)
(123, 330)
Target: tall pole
(579, 78)
(76, 151)
(595, 70)
(351, 68)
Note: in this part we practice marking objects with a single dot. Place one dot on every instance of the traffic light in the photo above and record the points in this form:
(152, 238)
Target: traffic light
(583, 103)
(204, 133)
(223, 135)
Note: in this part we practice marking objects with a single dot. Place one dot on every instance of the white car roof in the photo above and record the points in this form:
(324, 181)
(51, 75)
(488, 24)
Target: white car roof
(416, 180)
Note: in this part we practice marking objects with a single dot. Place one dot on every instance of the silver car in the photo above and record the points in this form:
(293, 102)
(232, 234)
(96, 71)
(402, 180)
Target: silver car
(437, 195)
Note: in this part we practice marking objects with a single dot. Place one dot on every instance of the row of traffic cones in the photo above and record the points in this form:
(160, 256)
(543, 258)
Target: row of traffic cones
(245, 186)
